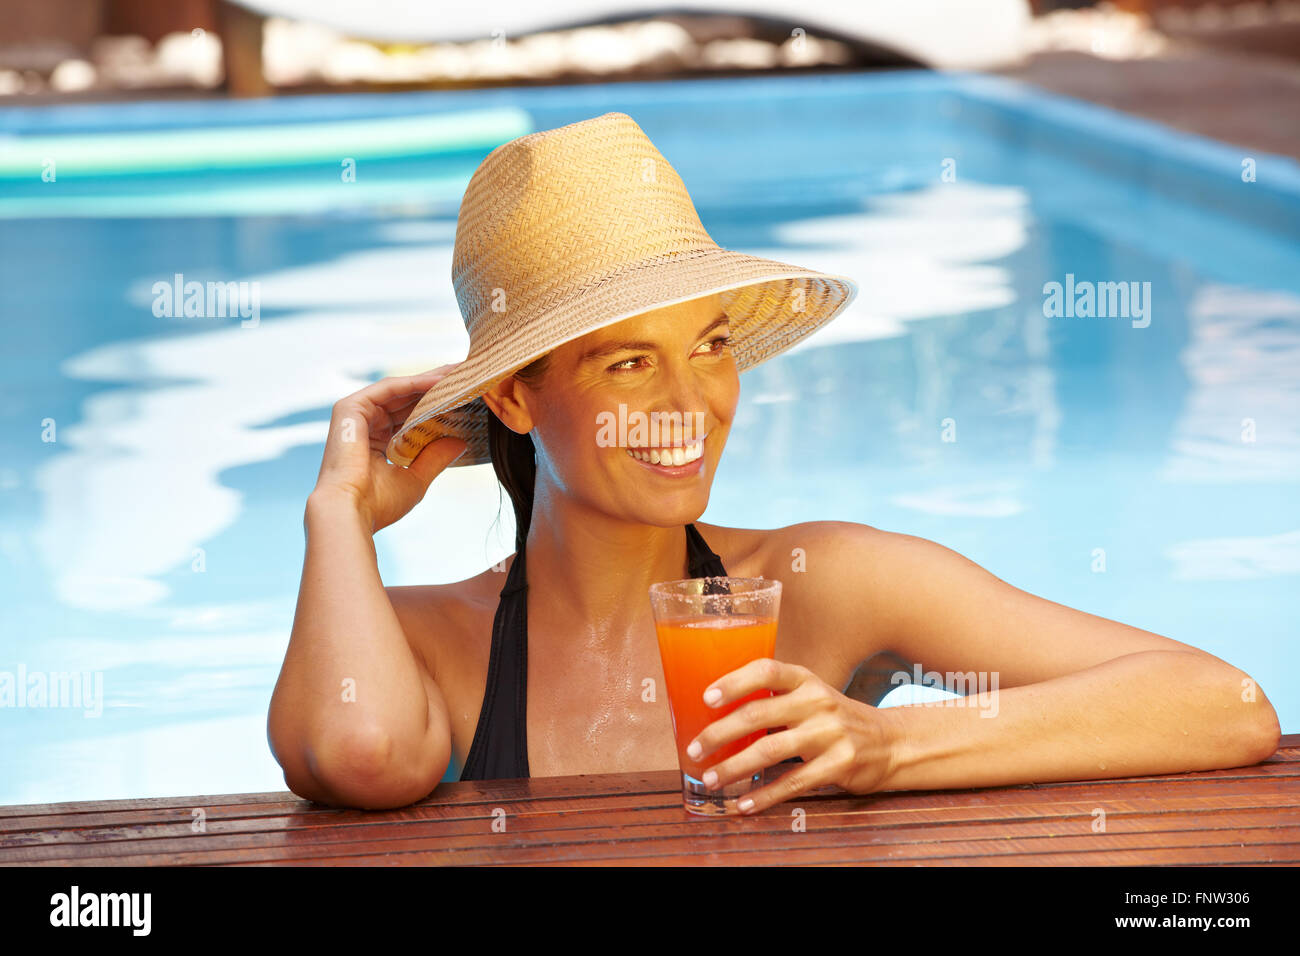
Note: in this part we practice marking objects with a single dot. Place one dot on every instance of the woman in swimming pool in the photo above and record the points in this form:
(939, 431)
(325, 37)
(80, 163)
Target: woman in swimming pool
(590, 290)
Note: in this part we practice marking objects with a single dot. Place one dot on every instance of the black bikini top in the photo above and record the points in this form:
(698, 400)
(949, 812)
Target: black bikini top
(500, 748)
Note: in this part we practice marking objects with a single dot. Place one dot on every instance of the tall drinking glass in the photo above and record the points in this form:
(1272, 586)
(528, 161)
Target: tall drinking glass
(707, 628)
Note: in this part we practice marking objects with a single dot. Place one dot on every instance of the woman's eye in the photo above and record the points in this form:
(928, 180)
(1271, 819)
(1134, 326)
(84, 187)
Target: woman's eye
(717, 345)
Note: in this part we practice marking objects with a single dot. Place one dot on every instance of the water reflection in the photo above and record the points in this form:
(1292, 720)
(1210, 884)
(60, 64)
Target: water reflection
(1241, 420)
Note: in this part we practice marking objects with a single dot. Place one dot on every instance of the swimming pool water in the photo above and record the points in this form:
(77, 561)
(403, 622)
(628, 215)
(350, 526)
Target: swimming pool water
(1147, 474)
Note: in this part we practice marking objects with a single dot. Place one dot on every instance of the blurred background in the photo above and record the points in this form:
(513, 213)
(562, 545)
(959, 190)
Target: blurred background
(1153, 56)
(218, 218)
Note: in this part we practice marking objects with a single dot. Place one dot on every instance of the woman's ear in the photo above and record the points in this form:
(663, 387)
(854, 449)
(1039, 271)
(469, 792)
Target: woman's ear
(506, 401)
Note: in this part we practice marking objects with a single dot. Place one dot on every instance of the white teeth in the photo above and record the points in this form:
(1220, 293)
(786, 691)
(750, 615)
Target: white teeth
(670, 456)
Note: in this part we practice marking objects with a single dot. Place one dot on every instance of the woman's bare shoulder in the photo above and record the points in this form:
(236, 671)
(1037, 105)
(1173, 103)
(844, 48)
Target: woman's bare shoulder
(809, 548)
(742, 550)
(825, 623)
(447, 619)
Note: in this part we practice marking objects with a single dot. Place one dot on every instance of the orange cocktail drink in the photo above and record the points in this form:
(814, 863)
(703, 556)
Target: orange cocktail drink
(709, 627)
(693, 660)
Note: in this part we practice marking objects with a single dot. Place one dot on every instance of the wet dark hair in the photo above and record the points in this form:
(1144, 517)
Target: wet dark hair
(514, 458)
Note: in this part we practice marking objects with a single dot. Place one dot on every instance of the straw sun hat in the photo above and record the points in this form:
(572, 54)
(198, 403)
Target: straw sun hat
(568, 230)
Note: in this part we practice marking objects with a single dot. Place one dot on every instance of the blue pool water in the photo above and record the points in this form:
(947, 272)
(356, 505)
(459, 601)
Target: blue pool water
(156, 542)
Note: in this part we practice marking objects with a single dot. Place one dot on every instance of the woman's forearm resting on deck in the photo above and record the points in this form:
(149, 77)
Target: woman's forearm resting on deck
(1152, 712)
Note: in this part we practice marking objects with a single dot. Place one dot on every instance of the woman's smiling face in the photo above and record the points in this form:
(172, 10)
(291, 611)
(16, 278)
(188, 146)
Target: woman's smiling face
(671, 367)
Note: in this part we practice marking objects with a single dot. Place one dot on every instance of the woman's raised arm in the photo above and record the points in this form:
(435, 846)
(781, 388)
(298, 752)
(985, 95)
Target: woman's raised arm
(355, 719)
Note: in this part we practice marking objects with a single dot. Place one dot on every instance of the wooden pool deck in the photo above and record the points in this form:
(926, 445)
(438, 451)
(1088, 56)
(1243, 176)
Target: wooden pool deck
(1232, 97)
(1248, 815)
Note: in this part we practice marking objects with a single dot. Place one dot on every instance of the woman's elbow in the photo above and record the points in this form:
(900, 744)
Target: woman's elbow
(1240, 725)
(1260, 741)
(1270, 735)
(365, 772)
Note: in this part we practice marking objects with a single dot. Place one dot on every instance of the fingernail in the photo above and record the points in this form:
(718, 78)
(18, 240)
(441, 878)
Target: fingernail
(694, 750)
(746, 804)
(710, 778)
(712, 696)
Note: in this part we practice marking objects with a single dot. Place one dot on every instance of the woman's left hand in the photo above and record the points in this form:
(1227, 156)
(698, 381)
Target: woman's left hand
(841, 740)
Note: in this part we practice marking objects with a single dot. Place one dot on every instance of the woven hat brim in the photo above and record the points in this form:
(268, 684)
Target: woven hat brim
(760, 305)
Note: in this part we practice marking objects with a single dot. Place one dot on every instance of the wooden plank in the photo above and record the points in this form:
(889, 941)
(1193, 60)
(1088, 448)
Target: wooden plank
(505, 793)
(610, 826)
(284, 817)
(627, 811)
(1249, 814)
(1053, 854)
(1210, 856)
(468, 792)
(1091, 850)
(664, 825)
(630, 811)
(1285, 762)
